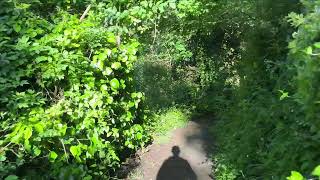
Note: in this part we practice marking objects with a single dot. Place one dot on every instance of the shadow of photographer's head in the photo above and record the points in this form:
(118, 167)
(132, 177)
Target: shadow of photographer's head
(175, 151)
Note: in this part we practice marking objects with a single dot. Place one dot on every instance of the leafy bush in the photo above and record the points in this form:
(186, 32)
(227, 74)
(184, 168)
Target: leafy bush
(66, 93)
(162, 88)
(69, 107)
(267, 121)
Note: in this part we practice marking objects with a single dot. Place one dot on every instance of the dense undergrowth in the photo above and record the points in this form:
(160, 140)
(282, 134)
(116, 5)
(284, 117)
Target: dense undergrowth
(253, 64)
(80, 90)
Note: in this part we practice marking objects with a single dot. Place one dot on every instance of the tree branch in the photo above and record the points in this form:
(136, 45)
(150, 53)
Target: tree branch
(85, 12)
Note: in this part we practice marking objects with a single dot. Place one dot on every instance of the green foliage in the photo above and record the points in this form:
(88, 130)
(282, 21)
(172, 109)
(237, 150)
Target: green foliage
(164, 88)
(234, 58)
(163, 122)
(66, 93)
(266, 101)
(316, 171)
(69, 107)
(71, 101)
(223, 170)
(297, 176)
(162, 72)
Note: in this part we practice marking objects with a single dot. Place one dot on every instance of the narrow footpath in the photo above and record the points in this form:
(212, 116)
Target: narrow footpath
(184, 157)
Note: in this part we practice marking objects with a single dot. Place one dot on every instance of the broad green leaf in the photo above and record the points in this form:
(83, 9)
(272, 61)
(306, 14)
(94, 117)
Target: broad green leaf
(27, 133)
(100, 65)
(52, 156)
(107, 71)
(75, 151)
(144, 4)
(17, 28)
(116, 65)
(161, 8)
(309, 50)
(27, 145)
(139, 136)
(2, 157)
(102, 154)
(67, 32)
(12, 177)
(112, 39)
(41, 59)
(316, 171)
(102, 56)
(138, 127)
(295, 176)
(39, 128)
(172, 5)
(109, 99)
(87, 177)
(114, 83)
(317, 44)
(104, 88)
(36, 151)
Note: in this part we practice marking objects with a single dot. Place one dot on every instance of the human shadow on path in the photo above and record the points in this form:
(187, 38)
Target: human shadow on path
(176, 168)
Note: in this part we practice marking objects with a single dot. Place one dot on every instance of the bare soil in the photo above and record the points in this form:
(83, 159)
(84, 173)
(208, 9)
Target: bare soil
(190, 162)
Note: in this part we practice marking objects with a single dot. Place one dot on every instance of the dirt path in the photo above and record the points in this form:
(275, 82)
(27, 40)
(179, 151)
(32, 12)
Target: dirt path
(190, 151)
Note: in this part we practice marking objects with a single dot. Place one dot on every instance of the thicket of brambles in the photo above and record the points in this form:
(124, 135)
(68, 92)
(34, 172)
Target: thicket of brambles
(82, 81)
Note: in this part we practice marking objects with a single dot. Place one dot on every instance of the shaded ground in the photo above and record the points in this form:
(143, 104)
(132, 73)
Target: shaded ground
(187, 160)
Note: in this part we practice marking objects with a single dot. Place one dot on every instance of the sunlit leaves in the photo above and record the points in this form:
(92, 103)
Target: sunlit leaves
(36, 151)
(295, 176)
(295, 19)
(2, 157)
(308, 50)
(75, 151)
(115, 84)
(107, 71)
(283, 95)
(27, 133)
(172, 5)
(317, 45)
(298, 176)
(17, 27)
(53, 156)
(111, 38)
(316, 171)
(116, 65)
(270, 120)
(68, 84)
